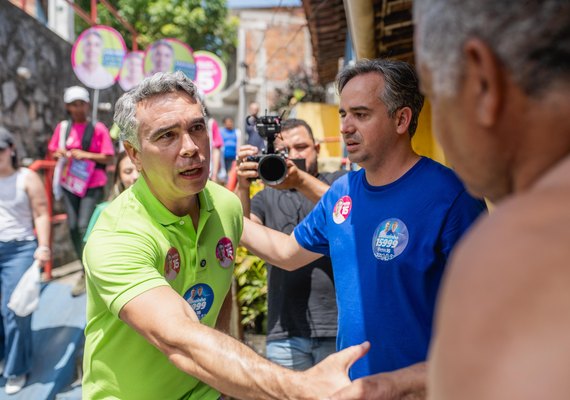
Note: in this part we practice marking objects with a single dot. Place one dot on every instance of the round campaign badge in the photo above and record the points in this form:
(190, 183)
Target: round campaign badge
(97, 56)
(200, 297)
(172, 264)
(342, 209)
(132, 72)
(168, 55)
(225, 252)
(390, 239)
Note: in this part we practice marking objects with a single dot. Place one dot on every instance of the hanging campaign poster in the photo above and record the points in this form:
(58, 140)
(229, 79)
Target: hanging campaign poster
(132, 72)
(167, 55)
(97, 56)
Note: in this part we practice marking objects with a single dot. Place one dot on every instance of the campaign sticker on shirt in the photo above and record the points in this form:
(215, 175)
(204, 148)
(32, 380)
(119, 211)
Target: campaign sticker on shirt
(390, 239)
(225, 252)
(172, 264)
(200, 297)
(342, 209)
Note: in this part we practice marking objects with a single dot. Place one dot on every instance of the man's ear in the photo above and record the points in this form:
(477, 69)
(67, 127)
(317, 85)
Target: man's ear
(484, 81)
(403, 119)
(133, 155)
(317, 147)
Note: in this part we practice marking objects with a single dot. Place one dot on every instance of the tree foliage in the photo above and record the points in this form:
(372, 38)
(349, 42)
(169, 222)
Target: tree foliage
(202, 24)
(251, 276)
(300, 87)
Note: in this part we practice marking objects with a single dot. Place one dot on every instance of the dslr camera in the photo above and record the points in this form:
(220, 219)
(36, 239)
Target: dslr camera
(271, 165)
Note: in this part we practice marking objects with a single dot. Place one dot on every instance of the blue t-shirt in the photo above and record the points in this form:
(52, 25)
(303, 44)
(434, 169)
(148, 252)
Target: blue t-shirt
(389, 245)
(230, 142)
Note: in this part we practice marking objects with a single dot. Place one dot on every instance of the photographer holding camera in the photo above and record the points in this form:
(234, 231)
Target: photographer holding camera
(302, 313)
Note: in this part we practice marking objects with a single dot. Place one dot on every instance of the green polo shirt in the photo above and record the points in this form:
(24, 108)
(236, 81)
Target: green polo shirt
(136, 245)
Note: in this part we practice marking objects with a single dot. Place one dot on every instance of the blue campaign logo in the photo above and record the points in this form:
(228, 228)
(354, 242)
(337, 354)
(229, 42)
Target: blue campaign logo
(200, 297)
(189, 69)
(81, 168)
(113, 58)
(390, 239)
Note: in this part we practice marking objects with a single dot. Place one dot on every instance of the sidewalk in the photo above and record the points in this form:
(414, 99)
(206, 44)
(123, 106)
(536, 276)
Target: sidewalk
(67, 274)
(57, 335)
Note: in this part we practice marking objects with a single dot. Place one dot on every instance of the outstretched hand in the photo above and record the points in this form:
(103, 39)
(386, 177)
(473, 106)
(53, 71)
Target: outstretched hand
(403, 384)
(331, 374)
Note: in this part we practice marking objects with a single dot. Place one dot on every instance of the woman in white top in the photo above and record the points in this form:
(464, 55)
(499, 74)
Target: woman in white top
(23, 206)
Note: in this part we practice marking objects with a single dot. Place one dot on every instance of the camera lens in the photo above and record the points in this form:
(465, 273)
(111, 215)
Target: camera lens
(272, 169)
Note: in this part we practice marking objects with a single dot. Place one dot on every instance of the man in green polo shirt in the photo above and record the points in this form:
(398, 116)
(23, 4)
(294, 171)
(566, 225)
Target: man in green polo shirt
(159, 264)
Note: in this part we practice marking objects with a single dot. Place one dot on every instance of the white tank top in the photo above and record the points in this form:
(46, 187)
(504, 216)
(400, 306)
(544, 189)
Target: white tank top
(16, 218)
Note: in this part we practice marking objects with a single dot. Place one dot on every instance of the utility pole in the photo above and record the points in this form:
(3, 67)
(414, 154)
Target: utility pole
(242, 106)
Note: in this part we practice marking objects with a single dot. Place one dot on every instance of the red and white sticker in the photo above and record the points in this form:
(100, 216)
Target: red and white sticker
(342, 209)
(225, 252)
(172, 264)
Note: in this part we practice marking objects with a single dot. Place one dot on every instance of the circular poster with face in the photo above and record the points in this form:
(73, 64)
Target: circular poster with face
(132, 72)
(211, 73)
(97, 56)
(168, 55)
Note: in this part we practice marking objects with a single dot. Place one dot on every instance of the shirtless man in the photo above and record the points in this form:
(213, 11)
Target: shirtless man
(498, 78)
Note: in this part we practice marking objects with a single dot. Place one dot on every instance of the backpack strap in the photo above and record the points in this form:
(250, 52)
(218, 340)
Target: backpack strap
(86, 140)
(87, 136)
(67, 130)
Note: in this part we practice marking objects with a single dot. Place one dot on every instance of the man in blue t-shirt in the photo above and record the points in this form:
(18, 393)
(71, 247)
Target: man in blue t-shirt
(388, 228)
(232, 138)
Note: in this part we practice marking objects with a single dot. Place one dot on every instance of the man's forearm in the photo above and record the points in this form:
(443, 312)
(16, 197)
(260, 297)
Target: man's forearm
(168, 322)
(236, 370)
(275, 247)
(242, 193)
(202, 352)
(413, 381)
(311, 187)
(233, 368)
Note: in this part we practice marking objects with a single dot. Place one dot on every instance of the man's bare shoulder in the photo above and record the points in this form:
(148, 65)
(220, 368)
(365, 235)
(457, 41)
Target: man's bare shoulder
(527, 230)
(504, 311)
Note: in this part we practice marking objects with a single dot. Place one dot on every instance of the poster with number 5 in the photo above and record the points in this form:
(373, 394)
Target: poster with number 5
(211, 73)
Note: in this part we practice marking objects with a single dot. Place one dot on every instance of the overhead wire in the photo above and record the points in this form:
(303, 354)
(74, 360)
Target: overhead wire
(309, 18)
(265, 33)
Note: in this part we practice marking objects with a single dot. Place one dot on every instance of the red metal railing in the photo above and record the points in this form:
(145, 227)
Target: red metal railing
(231, 183)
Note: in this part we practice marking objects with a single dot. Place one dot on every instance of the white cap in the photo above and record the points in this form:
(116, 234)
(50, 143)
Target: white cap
(75, 93)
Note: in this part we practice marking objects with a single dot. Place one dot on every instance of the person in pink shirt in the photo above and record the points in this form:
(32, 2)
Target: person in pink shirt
(216, 143)
(86, 160)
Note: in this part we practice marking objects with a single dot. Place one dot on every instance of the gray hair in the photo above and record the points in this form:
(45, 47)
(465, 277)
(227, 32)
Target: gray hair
(531, 38)
(401, 87)
(157, 84)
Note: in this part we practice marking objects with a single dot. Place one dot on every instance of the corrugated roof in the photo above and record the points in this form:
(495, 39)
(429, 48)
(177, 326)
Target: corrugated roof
(393, 32)
(233, 4)
(394, 29)
(327, 24)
